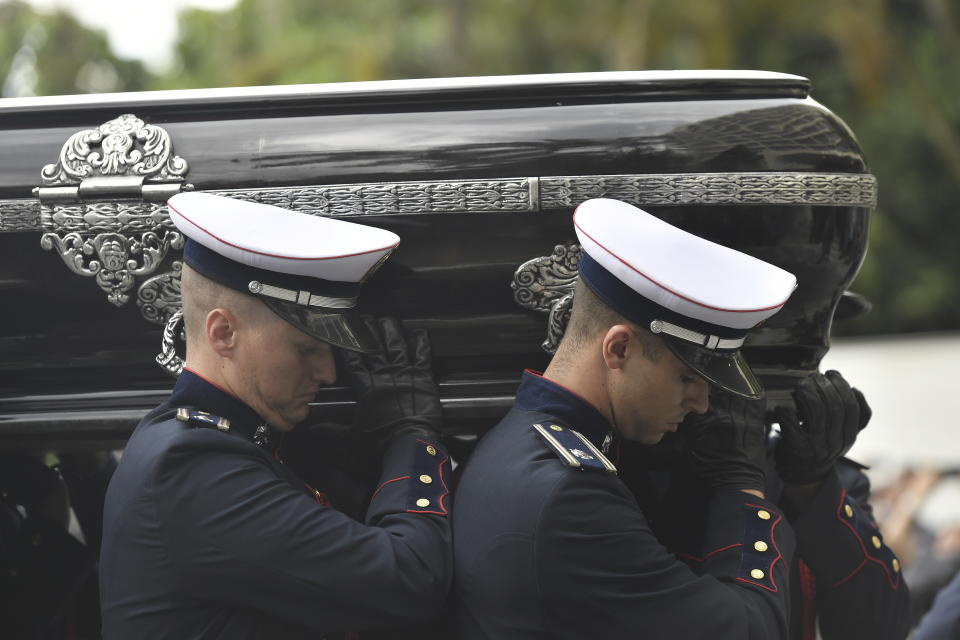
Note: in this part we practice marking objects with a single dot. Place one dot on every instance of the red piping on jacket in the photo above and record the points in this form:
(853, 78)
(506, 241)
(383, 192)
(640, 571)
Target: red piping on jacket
(779, 557)
(863, 547)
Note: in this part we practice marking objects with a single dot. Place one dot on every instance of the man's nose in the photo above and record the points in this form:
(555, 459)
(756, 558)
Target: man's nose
(698, 400)
(325, 368)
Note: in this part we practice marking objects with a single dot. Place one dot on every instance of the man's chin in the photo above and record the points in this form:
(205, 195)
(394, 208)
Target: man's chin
(644, 438)
(290, 420)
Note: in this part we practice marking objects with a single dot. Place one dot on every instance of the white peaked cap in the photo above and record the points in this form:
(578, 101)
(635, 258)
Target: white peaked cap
(267, 237)
(307, 269)
(701, 296)
(678, 270)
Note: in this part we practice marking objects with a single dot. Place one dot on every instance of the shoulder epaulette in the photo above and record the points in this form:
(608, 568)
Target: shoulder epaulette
(202, 418)
(573, 448)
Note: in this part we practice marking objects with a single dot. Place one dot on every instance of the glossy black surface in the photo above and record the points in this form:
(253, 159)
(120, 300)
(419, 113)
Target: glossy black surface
(75, 369)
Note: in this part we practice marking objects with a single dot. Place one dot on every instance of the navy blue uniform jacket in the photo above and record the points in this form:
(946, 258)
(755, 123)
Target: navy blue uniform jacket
(207, 535)
(844, 579)
(545, 550)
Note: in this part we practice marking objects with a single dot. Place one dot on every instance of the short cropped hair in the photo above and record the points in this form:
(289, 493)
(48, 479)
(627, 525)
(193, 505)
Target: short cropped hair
(591, 317)
(201, 295)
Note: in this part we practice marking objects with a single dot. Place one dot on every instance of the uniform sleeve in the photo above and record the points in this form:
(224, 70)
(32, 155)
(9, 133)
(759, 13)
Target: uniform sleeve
(603, 573)
(239, 535)
(859, 589)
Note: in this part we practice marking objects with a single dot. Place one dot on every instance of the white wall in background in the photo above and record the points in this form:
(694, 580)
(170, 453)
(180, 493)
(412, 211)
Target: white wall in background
(912, 383)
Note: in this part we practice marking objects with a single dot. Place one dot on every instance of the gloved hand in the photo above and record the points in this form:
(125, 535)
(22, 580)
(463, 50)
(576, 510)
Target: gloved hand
(726, 446)
(396, 392)
(828, 417)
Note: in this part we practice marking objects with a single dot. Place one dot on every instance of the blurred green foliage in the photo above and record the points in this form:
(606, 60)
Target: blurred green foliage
(52, 54)
(888, 67)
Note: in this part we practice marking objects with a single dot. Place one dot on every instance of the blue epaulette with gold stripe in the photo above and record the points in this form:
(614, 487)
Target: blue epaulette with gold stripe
(575, 450)
(202, 418)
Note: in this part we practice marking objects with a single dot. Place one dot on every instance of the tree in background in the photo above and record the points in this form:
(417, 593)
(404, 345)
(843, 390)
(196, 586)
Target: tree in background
(887, 67)
(53, 54)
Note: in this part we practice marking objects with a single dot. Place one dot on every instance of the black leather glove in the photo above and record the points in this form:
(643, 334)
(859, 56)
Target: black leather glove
(828, 417)
(726, 447)
(396, 392)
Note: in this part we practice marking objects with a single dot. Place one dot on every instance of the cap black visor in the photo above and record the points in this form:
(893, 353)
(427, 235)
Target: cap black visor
(725, 369)
(340, 328)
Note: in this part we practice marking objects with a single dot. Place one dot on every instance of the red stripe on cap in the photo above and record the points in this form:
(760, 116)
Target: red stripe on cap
(668, 289)
(274, 255)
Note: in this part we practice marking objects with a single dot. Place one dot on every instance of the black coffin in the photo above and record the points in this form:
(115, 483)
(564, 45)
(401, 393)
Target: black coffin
(478, 176)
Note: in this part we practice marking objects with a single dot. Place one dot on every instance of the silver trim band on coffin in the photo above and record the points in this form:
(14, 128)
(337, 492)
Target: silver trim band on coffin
(466, 196)
(301, 297)
(701, 339)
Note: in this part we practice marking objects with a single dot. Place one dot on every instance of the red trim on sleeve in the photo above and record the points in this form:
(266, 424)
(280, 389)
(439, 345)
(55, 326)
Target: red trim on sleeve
(863, 547)
(446, 489)
(386, 483)
(773, 540)
(860, 566)
(715, 551)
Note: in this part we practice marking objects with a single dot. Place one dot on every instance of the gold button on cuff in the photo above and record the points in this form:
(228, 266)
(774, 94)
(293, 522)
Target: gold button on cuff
(896, 565)
(425, 479)
(556, 427)
(432, 450)
(760, 545)
(763, 515)
(876, 542)
(423, 502)
(756, 574)
(847, 509)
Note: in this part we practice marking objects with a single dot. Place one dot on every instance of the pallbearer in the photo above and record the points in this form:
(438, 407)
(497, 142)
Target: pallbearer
(207, 533)
(550, 542)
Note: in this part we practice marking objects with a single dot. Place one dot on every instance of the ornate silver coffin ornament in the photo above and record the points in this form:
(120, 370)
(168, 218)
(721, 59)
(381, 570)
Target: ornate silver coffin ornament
(546, 285)
(86, 209)
(159, 297)
(168, 358)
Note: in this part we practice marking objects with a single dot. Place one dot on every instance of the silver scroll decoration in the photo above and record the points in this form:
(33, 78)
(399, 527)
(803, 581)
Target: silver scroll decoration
(114, 260)
(124, 146)
(168, 359)
(159, 297)
(113, 241)
(546, 285)
(527, 194)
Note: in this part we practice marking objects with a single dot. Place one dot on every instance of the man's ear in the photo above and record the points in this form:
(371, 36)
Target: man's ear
(616, 345)
(221, 331)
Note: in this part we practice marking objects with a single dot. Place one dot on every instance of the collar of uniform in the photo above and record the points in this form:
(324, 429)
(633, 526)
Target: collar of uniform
(193, 390)
(537, 393)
